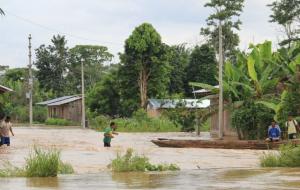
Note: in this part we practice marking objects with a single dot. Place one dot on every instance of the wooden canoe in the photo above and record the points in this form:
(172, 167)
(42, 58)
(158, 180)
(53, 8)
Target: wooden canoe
(222, 144)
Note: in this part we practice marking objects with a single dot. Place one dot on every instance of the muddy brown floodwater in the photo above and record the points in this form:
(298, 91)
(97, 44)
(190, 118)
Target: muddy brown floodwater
(200, 168)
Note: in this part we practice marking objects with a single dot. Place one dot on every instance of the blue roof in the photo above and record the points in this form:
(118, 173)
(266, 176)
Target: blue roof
(175, 103)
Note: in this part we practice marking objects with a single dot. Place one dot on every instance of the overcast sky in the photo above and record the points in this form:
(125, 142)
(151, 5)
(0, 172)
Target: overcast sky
(110, 22)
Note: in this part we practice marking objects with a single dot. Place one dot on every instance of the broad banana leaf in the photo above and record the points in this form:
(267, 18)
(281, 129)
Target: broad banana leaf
(251, 69)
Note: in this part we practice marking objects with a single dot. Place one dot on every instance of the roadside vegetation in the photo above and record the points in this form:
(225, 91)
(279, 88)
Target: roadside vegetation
(40, 163)
(130, 162)
(288, 156)
(59, 122)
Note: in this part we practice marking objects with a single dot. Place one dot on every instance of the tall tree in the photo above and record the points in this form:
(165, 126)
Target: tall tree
(94, 58)
(104, 98)
(227, 12)
(51, 62)
(144, 68)
(202, 66)
(287, 14)
(179, 60)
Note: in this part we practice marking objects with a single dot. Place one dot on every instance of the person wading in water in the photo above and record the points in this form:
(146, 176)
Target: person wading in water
(108, 134)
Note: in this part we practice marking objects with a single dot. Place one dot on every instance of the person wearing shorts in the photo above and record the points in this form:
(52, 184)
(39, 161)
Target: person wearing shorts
(5, 128)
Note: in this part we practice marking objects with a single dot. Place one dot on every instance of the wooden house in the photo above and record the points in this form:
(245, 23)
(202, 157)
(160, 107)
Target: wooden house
(66, 107)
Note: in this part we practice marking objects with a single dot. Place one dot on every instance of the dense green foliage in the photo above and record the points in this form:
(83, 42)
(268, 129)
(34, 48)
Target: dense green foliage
(251, 120)
(59, 122)
(15, 103)
(139, 122)
(51, 62)
(202, 66)
(288, 156)
(136, 163)
(144, 68)
(93, 58)
(39, 164)
(261, 78)
(286, 13)
(179, 60)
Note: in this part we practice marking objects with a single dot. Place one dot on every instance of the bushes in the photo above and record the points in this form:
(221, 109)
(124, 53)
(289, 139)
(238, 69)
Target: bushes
(252, 120)
(140, 122)
(60, 122)
(39, 164)
(288, 156)
(183, 118)
(135, 163)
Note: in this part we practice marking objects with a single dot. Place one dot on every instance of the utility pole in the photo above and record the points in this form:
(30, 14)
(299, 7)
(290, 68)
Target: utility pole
(220, 81)
(30, 82)
(82, 96)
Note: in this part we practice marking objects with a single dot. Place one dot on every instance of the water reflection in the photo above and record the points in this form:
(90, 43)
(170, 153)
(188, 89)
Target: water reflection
(143, 180)
(250, 179)
(43, 182)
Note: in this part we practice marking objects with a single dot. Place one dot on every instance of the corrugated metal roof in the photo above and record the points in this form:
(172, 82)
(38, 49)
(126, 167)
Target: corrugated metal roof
(65, 101)
(56, 100)
(5, 89)
(169, 104)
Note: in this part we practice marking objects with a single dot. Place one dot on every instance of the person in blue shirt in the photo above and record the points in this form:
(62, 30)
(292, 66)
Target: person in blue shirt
(274, 132)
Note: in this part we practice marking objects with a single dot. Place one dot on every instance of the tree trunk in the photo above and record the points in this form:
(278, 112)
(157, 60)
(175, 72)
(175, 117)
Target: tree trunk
(143, 84)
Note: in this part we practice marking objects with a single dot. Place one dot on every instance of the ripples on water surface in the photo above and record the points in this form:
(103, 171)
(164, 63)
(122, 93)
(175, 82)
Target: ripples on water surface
(192, 179)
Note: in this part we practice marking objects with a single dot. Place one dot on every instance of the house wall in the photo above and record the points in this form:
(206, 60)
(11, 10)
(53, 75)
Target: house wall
(153, 112)
(228, 131)
(70, 111)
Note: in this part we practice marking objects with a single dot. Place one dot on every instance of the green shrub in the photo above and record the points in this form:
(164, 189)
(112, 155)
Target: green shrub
(39, 164)
(40, 114)
(42, 163)
(183, 118)
(11, 171)
(58, 121)
(65, 168)
(135, 163)
(139, 123)
(288, 156)
(252, 120)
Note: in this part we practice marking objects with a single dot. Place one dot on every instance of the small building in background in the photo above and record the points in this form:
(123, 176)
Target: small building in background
(156, 106)
(66, 107)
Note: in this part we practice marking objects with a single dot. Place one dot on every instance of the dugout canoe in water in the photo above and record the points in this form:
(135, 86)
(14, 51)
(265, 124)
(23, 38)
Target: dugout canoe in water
(222, 144)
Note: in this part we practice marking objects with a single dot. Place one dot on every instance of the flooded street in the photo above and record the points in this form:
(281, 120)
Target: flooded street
(200, 168)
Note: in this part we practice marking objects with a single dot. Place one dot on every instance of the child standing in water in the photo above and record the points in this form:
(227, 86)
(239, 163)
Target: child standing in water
(5, 128)
(108, 134)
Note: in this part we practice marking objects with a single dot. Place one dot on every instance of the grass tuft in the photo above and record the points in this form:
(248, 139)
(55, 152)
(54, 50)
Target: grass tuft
(288, 156)
(40, 163)
(130, 162)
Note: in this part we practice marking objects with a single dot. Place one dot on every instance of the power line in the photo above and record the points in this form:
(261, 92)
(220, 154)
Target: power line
(57, 31)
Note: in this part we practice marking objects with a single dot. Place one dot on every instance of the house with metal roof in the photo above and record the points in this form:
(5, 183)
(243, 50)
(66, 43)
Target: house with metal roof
(66, 107)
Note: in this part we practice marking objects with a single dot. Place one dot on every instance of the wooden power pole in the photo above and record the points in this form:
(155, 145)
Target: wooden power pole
(30, 82)
(82, 96)
(220, 124)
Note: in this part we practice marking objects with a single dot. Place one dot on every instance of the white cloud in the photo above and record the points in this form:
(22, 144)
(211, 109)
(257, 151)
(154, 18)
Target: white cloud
(110, 22)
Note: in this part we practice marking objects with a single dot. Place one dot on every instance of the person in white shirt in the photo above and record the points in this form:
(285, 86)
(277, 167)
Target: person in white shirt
(292, 126)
